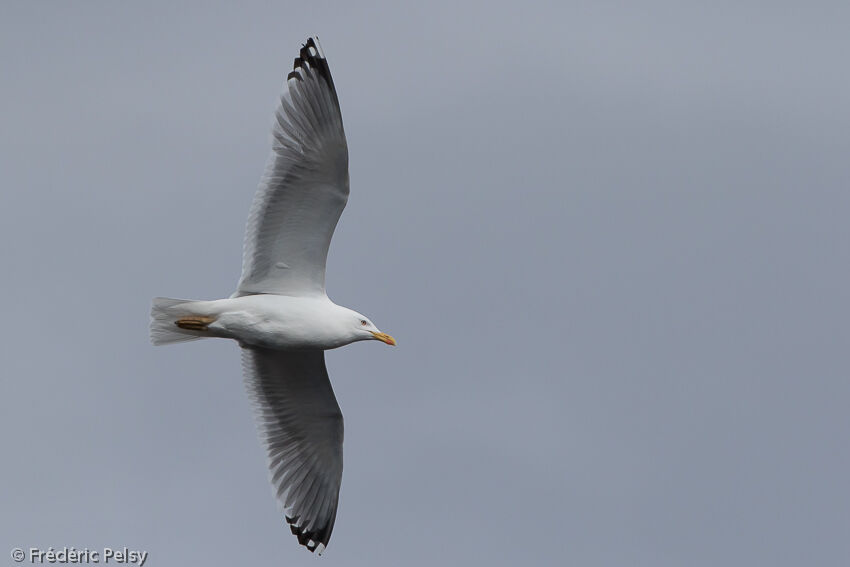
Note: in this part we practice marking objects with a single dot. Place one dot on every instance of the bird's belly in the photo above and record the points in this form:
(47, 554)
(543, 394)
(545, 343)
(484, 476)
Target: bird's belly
(268, 331)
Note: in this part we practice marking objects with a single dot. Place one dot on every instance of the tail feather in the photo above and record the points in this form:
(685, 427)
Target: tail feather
(164, 315)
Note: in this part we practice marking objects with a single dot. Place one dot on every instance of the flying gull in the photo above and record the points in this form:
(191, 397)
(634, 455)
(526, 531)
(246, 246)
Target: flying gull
(280, 313)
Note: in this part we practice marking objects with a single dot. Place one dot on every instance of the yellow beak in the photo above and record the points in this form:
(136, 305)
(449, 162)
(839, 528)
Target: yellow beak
(384, 338)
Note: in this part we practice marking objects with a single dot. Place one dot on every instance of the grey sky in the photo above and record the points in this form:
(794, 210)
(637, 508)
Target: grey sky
(610, 238)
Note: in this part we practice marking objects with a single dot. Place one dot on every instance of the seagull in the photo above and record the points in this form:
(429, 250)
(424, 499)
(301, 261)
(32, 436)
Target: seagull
(280, 313)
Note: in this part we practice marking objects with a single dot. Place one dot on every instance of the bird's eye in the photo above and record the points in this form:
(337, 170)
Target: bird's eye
(364, 322)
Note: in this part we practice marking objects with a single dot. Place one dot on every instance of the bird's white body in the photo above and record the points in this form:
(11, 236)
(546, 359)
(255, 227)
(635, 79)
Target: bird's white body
(278, 321)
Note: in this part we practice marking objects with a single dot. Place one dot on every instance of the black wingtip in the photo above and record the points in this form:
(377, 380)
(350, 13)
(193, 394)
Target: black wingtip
(311, 539)
(311, 55)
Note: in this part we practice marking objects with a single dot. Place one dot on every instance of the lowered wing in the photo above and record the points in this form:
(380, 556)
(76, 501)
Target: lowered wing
(301, 426)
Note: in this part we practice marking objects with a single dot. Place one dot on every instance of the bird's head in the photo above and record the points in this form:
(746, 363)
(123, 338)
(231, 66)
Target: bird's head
(366, 330)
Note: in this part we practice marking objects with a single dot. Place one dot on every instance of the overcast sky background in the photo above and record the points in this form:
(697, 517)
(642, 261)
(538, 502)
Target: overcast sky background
(610, 238)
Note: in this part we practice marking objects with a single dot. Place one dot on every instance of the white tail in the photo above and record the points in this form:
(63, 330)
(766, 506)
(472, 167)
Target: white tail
(163, 322)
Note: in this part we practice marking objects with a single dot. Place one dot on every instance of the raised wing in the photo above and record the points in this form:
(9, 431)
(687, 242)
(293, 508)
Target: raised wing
(304, 188)
(301, 426)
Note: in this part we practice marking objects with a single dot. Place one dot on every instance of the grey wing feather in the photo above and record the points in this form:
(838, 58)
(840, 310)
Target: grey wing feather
(304, 188)
(301, 425)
